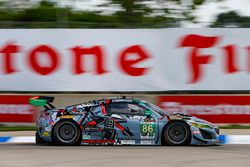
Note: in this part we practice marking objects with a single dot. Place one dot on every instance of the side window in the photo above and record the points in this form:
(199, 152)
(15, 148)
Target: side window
(126, 108)
(96, 110)
(118, 108)
(135, 109)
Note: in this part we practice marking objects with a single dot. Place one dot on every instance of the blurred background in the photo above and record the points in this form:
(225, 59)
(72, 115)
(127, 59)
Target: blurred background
(123, 14)
(32, 14)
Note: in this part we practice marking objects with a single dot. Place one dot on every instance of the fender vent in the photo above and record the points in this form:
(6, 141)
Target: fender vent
(217, 130)
(205, 134)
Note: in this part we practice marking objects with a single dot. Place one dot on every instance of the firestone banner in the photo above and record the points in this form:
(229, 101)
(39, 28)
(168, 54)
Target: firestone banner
(213, 108)
(124, 59)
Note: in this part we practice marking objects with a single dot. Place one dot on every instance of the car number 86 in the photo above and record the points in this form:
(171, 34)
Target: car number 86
(147, 128)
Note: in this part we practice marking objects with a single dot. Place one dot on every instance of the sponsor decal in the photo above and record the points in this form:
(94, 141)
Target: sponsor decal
(85, 137)
(91, 128)
(46, 134)
(175, 117)
(99, 141)
(48, 128)
(129, 142)
(147, 130)
(147, 142)
(109, 124)
(136, 117)
(196, 132)
(67, 117)
(147, 112)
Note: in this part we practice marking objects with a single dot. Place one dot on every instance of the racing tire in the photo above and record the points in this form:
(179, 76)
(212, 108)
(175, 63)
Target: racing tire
(39, 140)
(176, 133)
(67, 133)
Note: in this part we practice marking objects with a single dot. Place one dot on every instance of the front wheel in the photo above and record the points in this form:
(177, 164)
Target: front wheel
(177, 133)
(67, 132)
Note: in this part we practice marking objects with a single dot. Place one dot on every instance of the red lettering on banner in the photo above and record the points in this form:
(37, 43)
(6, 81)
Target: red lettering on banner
(8, 63)
(53, 56)
(196, 59)
(79, 52)
(127, 65)
(230, 56)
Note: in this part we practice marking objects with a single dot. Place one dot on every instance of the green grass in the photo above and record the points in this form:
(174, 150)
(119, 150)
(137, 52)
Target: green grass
(17, 128)
(235, 127)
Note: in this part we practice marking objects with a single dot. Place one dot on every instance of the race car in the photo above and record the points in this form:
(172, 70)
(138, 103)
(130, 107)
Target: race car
(119, 121)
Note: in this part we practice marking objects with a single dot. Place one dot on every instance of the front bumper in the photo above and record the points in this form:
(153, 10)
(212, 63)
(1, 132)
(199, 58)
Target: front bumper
(205, 136)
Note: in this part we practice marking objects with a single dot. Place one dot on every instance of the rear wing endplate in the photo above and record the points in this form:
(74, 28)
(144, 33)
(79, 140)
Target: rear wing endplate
(44, 101)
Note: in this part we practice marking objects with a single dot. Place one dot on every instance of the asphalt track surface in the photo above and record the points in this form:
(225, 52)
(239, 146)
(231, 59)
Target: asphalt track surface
(31, 155)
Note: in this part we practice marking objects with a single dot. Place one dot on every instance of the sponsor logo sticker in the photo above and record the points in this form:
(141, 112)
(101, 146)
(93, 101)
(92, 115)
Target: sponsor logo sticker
(46, 133)
(147, 130)
(85, 137)
(147, 142)
(67, 116)
(127, 141)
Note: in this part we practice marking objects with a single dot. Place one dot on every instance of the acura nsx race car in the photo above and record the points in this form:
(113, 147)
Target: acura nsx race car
(119, 121)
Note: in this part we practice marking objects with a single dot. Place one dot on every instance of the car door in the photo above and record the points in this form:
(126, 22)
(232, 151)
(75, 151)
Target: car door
(127, 125)
(132, 124)
(93, 121)
(149, 127)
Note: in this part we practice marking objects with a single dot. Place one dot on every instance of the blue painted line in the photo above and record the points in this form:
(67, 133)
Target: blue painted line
(4, 139)
(223, 139)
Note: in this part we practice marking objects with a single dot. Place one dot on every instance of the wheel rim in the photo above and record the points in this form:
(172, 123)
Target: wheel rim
(67, 132)
(177, 134)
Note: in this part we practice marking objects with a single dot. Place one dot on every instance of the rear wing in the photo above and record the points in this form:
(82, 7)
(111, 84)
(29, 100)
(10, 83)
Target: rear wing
(44, 101)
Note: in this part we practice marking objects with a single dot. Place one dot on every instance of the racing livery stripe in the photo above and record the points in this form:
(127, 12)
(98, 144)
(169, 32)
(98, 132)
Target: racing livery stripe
(119, 126)
(98, 141)
(103, 109)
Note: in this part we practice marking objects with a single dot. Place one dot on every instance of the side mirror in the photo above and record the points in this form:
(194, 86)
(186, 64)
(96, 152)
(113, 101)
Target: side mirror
(147, 112)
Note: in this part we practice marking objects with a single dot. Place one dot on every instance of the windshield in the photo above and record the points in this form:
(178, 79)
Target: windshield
(155, 108)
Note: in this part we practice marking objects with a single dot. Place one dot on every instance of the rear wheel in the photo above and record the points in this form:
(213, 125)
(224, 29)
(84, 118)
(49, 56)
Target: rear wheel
(67, 132)
(177, 133)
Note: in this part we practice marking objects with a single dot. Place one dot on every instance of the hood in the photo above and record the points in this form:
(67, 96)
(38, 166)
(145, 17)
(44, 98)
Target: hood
(190, 119)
